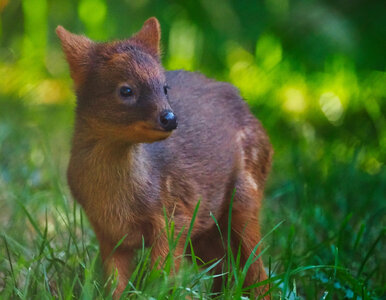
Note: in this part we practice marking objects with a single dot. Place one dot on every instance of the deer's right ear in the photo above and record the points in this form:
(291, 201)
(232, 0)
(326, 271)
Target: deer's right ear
(76, 48)
(149, 36)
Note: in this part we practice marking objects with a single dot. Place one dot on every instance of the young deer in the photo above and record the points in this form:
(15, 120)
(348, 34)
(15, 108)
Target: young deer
(129, 160)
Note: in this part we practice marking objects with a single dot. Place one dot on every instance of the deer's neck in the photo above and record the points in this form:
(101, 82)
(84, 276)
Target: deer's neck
(105, 170)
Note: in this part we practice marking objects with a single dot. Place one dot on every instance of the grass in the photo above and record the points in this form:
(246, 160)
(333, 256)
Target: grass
(323, 221)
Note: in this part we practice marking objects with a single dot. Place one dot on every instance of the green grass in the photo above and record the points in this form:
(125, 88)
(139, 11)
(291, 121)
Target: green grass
(330, 244)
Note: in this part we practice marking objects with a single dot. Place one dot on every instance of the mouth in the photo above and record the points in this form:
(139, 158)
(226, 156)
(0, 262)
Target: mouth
(138, 132)
(159, 131)
(148, 133)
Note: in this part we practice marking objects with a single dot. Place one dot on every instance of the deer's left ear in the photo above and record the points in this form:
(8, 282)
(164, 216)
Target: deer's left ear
(150, 36)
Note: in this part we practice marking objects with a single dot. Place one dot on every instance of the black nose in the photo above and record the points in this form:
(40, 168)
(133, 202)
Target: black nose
(168, 120)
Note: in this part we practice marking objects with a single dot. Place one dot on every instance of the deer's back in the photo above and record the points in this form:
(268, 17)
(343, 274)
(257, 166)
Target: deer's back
(216, 139)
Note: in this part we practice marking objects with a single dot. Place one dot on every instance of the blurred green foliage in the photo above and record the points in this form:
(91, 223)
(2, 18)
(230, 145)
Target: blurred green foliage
(317, 65)
(312, 71)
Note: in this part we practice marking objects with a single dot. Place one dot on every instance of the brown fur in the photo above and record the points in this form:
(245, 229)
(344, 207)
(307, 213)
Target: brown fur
(124, 168)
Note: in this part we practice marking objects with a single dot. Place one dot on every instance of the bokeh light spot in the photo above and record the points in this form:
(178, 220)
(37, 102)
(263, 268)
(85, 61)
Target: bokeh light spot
(372, 166)
(294, 100)
(268, 51)
(92, 12)
(332, 107)
(184, 45)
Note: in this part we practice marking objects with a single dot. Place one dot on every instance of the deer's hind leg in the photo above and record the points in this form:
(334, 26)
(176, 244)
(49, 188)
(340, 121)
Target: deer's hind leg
(253, 165)
(245, 238)
(246, 230)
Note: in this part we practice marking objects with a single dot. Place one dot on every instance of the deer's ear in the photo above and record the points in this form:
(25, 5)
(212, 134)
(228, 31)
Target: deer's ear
(150, 36)
(76, 48)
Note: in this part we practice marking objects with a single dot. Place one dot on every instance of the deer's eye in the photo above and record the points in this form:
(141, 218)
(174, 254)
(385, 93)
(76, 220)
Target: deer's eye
(126, 91)
(166, 87)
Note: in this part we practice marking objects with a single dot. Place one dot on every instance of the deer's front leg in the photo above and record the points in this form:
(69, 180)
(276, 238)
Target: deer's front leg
(160, 251)
(119, 260)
